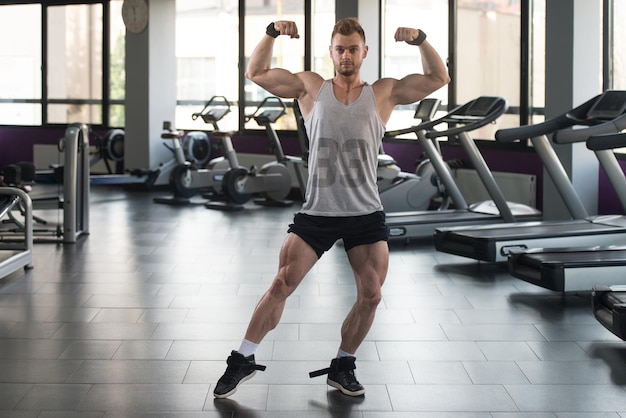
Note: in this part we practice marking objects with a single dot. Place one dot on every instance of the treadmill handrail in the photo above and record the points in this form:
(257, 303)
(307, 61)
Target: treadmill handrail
(469, 122)
(606, 141)
(565, 120)
(571, 135)
(459, 115)
(415, 128)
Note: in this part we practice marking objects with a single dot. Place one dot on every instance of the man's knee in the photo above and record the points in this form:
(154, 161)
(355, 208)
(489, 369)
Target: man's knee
(281, 287)
(370, 298)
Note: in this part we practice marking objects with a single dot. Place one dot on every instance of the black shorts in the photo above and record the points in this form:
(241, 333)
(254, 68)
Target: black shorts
(321, 232)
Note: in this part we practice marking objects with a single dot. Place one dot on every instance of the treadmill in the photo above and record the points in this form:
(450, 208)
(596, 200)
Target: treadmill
(580, 268)
(602, 114)
(458, 123)
(609, 308)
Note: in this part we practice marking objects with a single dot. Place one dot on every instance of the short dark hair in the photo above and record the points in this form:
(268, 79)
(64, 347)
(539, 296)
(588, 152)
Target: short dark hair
(348, 26)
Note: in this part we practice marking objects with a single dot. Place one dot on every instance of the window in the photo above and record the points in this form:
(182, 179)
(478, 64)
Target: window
(323, 23)
(487, 55)
(537, 57)
(74, 63)
(85, 75)
(488, 51)
(615, 59)
(288, 53)
(117, 71)
(618, 45)
(20, 64)
(207, 54)
(401, 59)
(73, 89)
(208, 65)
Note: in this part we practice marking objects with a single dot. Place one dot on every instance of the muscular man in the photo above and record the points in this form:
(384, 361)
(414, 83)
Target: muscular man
(345, 120)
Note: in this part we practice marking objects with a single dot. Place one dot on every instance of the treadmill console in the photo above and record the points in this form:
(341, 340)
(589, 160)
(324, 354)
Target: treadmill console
(610, 105)
(481, 106)
(476, 110)
(426, 109)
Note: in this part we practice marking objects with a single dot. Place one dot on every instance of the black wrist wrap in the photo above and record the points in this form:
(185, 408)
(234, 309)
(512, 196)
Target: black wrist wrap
(271, 31)
(419, 40)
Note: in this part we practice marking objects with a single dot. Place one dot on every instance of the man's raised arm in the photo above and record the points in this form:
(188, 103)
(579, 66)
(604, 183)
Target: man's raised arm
(277, 81)
(415, 87)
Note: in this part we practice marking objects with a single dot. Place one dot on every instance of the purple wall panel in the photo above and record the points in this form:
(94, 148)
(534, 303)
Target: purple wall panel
(608, 203)
(16, 143)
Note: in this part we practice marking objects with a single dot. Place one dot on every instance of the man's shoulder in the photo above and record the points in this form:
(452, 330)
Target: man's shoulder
(310, 75)
(385, 82)
(312, 81)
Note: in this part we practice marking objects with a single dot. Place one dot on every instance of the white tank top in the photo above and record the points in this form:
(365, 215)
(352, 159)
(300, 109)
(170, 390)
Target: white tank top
(344, 143)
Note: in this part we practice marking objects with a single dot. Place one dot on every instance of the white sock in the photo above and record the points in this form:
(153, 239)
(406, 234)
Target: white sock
(342, 353)
(247, 348)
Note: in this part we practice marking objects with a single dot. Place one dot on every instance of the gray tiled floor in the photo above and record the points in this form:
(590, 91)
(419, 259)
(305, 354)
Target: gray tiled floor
(136, 321)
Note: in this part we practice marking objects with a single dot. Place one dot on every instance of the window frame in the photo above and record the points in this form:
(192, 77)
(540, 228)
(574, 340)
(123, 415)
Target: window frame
(45, 101)
(525, 109)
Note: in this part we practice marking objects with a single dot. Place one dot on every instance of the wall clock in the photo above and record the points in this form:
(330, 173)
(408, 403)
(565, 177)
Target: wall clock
(135, 15)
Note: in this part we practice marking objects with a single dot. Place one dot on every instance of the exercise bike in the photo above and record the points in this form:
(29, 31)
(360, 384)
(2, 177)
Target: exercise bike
(188, 179)
(193, 148)
(273, 180)
(406, 192)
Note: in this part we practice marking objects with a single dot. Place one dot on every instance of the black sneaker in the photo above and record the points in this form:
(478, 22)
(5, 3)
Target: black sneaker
(341, 376)
(239, 370)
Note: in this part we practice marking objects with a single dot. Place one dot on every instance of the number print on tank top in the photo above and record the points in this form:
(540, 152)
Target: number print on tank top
(343, 162)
